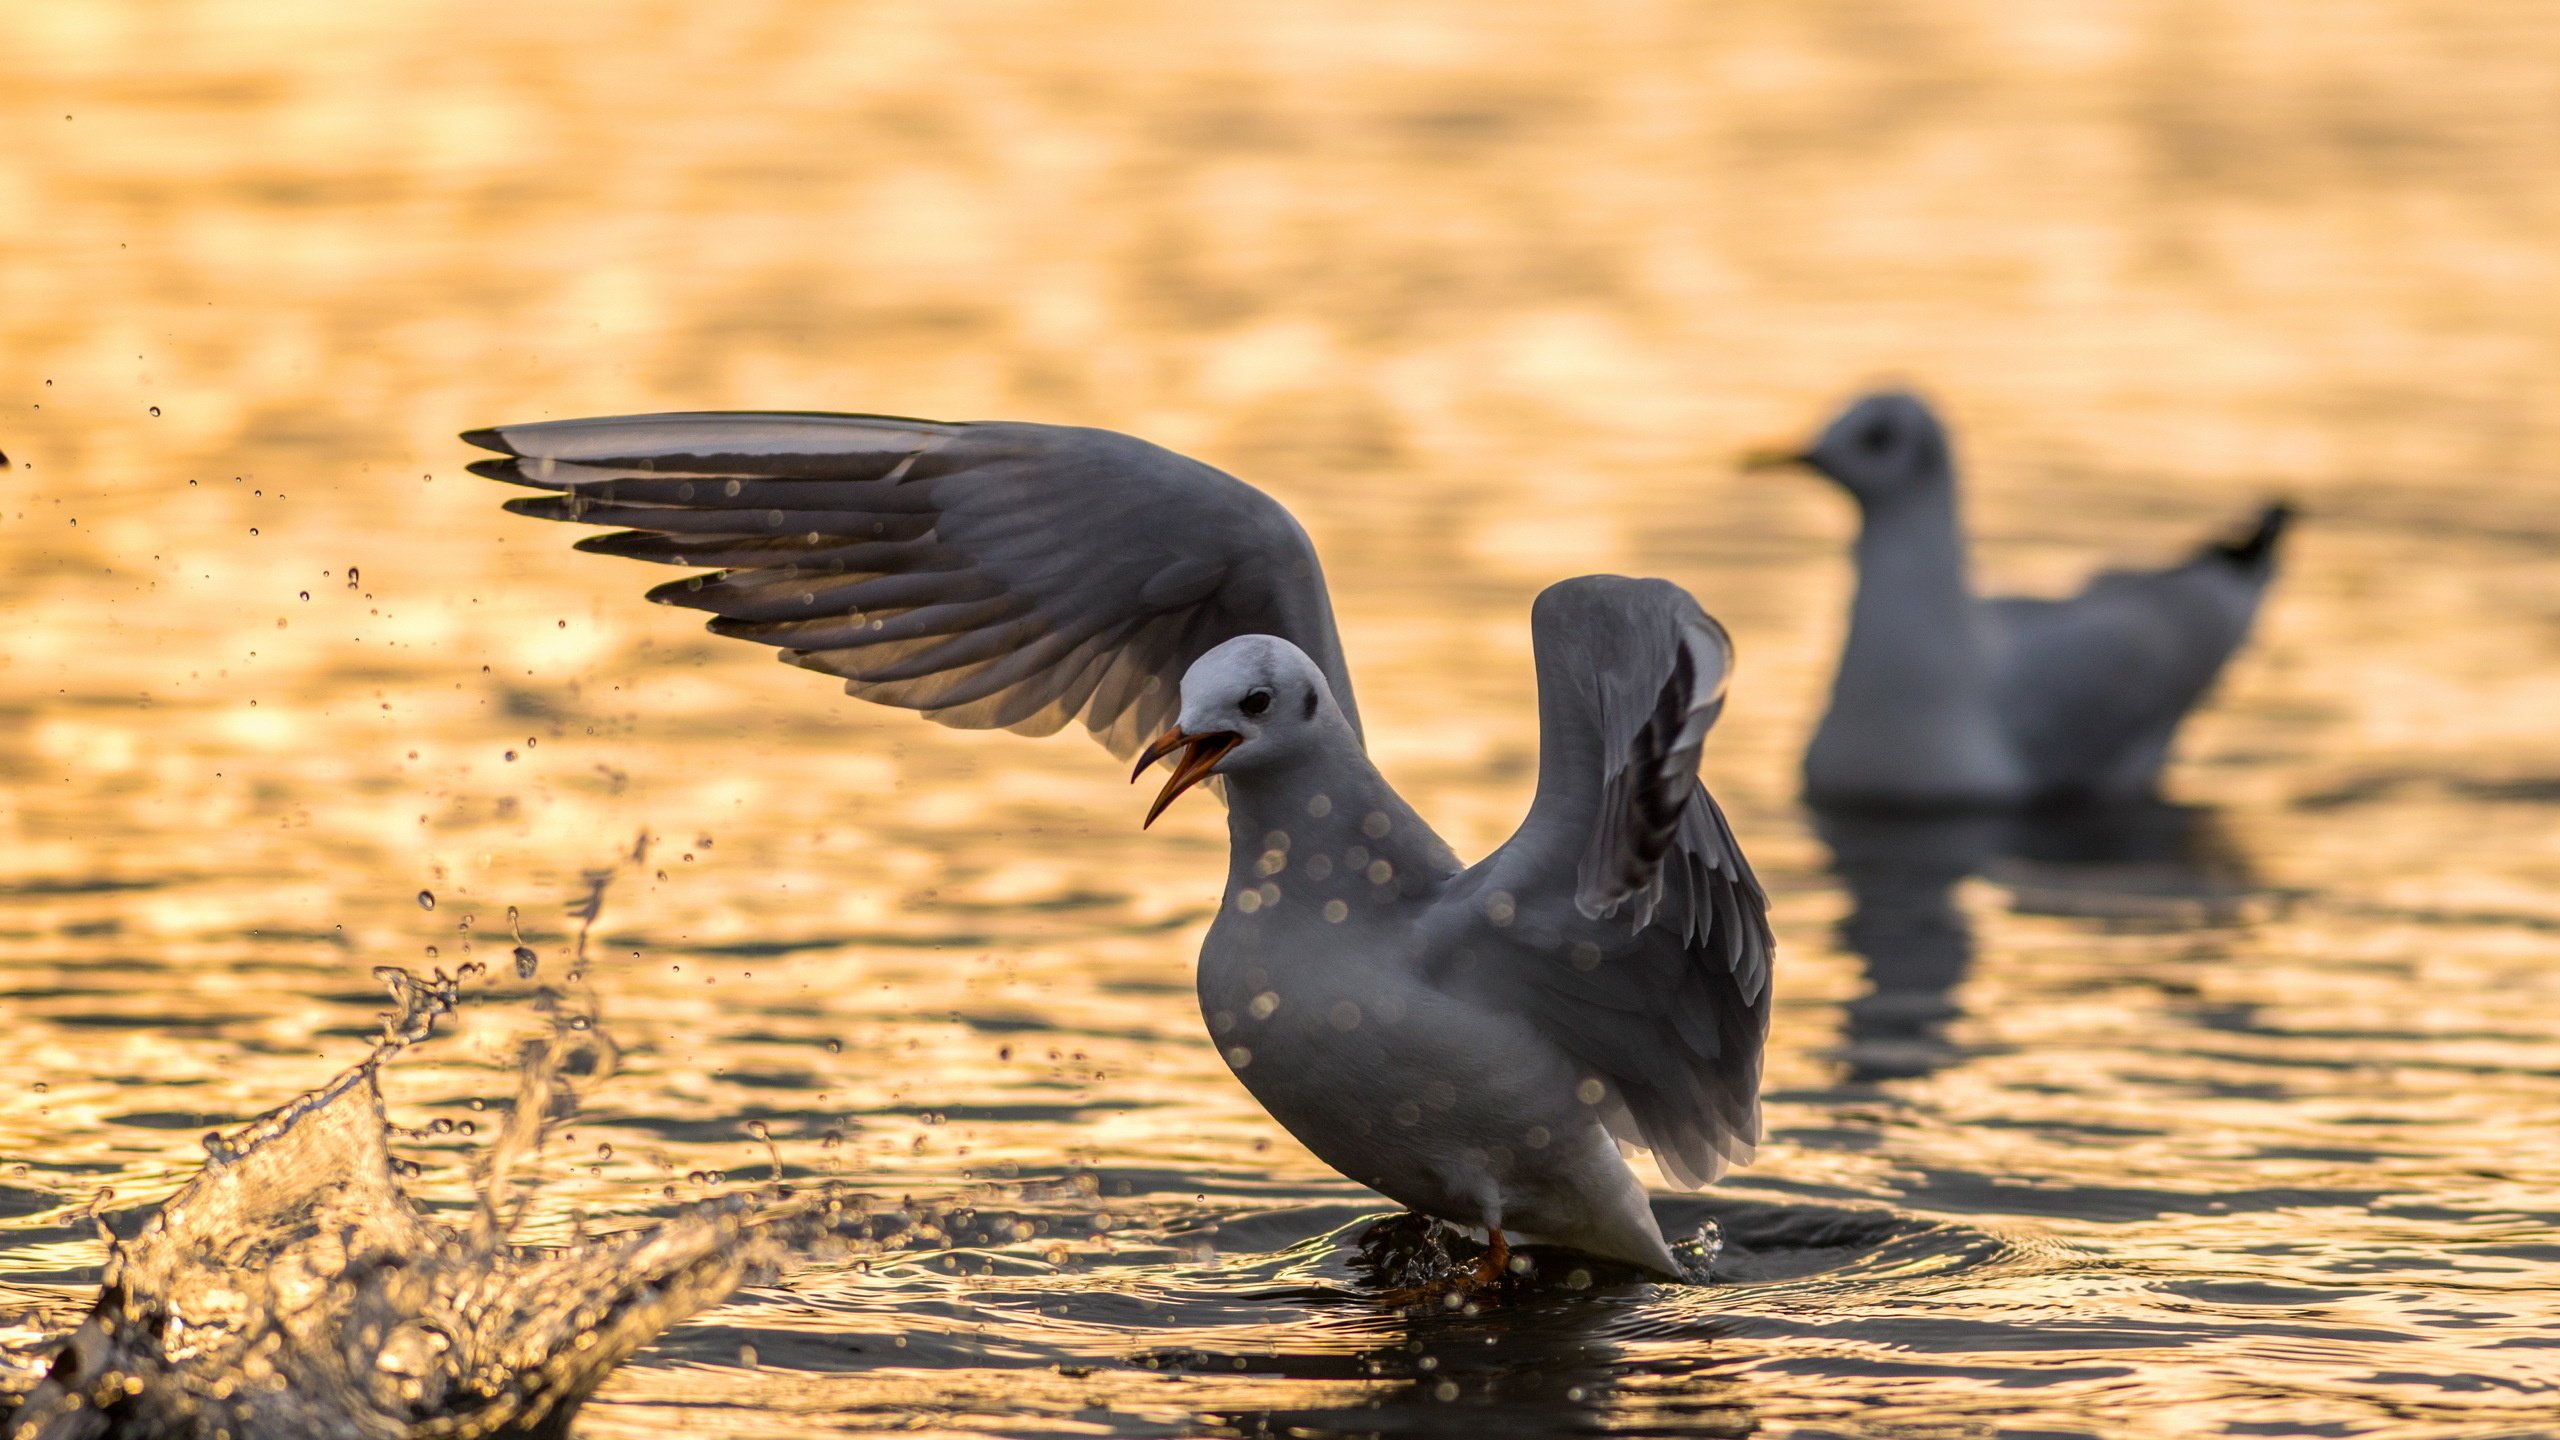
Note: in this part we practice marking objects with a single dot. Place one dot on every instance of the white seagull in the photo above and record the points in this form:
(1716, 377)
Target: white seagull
(1946, 700)
(1472, 1041)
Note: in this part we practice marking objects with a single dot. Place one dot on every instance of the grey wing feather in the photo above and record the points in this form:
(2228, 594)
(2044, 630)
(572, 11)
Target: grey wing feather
(1641, 942)
(2092, 688)
(987, 575)
(1648, 793)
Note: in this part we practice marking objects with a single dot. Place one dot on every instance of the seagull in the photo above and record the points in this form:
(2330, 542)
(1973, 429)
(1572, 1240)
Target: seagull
(1944, 700)
(1476, 1042)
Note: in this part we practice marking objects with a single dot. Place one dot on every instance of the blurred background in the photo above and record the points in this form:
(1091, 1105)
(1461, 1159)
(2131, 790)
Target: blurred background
(1488, 294)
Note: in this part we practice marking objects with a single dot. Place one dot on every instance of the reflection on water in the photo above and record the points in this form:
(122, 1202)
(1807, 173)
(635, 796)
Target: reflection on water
(1486, 293)
(2148, 861)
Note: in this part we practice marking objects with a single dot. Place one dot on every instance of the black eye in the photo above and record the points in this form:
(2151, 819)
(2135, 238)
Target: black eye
(1254, 702)
(1876, 438)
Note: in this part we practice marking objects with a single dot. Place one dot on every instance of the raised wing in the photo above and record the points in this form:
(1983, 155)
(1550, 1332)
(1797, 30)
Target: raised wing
(2092, 688)
(1637, 936)
(987, 575)
(1655, 783)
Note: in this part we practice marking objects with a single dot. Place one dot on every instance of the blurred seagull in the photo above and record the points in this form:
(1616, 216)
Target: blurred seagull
(1474, 1042)
(1945, 700)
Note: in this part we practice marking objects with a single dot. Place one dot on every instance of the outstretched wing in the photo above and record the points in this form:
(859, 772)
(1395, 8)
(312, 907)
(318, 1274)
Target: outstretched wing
(2092, 688)
(1628, 925)
(988, 575)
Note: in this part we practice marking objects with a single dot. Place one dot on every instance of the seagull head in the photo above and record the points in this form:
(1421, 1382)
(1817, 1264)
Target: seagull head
(1247, 704)
(1881, 446)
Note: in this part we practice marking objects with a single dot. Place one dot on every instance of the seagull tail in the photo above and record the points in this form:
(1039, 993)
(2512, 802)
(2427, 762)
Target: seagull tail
(2257, 549)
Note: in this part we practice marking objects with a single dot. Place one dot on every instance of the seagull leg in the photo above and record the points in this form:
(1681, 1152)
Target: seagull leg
(1478, 1281)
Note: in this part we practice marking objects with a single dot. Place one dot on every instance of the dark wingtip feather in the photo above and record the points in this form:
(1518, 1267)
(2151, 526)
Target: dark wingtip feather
(490, 438)
(510, 471)
(686, 592)
(2257, 548)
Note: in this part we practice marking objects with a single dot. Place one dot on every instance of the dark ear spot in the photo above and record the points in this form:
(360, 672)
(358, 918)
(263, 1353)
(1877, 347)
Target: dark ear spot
(1309, 713)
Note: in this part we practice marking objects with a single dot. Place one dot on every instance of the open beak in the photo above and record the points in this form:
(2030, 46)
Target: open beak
(1201, 754)
(1772, 457)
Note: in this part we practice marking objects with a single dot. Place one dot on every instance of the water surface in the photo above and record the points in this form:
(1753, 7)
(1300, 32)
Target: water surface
(2227, 1120)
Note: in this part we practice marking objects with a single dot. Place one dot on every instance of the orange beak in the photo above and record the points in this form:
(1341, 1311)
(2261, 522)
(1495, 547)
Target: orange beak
(1770, 457)
(1201, 754)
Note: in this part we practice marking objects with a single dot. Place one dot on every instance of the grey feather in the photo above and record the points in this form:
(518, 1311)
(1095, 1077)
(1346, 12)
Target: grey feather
(1647, 793)
(987, 575)
(1652, 969)
(2092, 688)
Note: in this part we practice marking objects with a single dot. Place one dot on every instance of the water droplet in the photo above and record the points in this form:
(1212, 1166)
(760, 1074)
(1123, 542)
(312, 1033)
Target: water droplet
(526, 962)
(351, 577)
(306, 594)
(426, 899)
(155, 412)
(511, 757)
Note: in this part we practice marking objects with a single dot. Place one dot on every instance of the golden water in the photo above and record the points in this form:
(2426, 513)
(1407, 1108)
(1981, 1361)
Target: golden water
(1488, 294)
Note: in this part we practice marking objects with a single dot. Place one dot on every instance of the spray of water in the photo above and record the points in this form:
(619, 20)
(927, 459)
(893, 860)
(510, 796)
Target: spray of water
(294, 1290)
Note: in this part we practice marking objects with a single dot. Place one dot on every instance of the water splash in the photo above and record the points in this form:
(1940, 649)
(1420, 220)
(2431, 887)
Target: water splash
(527, 962)
(1415, 1257)
(293, 1289)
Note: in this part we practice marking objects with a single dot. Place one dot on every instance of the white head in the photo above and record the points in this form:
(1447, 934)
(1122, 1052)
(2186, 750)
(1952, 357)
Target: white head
(1881, 447)
(1250, 703)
